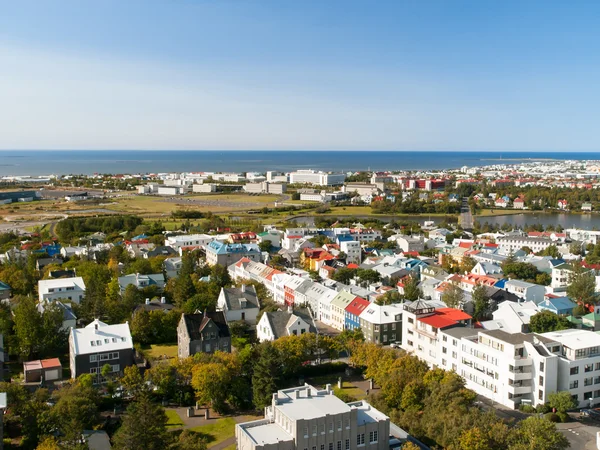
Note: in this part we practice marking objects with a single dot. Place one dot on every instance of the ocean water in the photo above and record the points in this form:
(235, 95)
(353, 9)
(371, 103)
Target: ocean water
(64, 162)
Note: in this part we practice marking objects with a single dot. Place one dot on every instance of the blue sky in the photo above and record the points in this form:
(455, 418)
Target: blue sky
(312, 74)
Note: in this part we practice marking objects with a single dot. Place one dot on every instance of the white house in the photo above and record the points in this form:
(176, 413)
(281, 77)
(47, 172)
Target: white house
(486, 268)
(352, 250)
(276, 324)
(66, 289)
(512, 317)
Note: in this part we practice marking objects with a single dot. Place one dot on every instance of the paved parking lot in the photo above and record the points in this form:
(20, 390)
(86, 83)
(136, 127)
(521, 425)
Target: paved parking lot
(580, 435)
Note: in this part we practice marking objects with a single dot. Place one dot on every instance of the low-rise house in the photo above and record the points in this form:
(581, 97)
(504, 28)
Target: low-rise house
(227, 254)
(319, 301)
(66, 289)
(203, 333)
(161, 250)
(408, 243)
(139, 249)
(155, 305)
(99, 344)
(562, 275)
(563, 306)
(526, 291)
(276, 324)
(487, 269)
(338, 309)
(4, 291)
(586, 206)
(382, 324)
(189, 241)
(501, 203)
(353, 312)
(68, 252)
(41, 263)
(512, 317)
(142, 281)
(172, 266)
(239, 304)
(562, 204)
(272, 236)
(519, 203)
(42, 370)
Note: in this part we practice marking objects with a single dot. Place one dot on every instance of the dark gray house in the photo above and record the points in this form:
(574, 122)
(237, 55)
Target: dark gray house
(98, 344)
(203, 333)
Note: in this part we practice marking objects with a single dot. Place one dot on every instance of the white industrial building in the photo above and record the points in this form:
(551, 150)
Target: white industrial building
(308, 418)
(265, 187)
(204, 188)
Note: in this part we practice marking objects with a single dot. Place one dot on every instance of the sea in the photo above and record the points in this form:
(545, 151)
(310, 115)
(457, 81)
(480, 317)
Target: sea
(88, 162)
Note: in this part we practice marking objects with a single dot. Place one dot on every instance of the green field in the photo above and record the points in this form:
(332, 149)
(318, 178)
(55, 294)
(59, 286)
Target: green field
(218, 431)
(157, 351)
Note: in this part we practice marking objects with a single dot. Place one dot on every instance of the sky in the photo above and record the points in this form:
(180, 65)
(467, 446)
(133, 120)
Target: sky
(300, 75)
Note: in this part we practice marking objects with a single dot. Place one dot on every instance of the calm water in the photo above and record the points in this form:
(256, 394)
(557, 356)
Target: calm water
(62, 162)
(310, 220)
(585, 221)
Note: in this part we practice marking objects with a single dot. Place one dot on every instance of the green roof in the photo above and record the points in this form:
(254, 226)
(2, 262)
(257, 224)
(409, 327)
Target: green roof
(592, 316)
(574, 320)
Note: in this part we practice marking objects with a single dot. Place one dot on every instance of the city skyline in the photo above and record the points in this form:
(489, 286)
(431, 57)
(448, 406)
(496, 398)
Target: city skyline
(268, 76)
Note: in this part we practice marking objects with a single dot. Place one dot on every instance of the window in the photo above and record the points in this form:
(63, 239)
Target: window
(444, 338)
(314, 430)
(443, 362)
(541, 367)
(331, 428)
(596, 380)
(541, 381)
(587, 395)
(411, 320)
(92, 343)
(373, 437)
(393, 328)
(360, 439)
(454, 342)
(596, 394)
(114, 340)
(331, 446)
(106, 341)
(339, 445)
(588, 381)
(540, 395)
(598, 366)
(454, 355)
(93, 358)
(339, 425)
(444, 350)
(305, 431)
(347, 423)
(574, 384)
(574, 370)
(322, 446)
(94, 370)
(589, 367)
(347, 444)
(115, 368)
(314, 447)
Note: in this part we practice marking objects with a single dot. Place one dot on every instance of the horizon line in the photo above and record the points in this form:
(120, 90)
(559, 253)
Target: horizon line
(285, 150)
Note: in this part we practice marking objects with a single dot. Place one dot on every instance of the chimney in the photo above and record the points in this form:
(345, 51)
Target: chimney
(328, 388)
(147, 301)
(297, 392)
(243, 288)
(308, 392)
(290, 309)
(275, 398)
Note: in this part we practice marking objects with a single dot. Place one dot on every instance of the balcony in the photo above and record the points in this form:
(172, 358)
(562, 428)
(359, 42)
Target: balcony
(519, 390)
(520, 376)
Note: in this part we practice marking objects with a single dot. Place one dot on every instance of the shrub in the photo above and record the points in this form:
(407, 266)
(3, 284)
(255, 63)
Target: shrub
(552, 417)
(564, 417)
(527, 409)
(543, 409)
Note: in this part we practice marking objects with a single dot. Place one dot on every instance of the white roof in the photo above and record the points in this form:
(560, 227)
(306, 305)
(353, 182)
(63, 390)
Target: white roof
(317, 405)
(379, 315)
(266, 433)
(575, 339)
(99, 337)
(44, 285)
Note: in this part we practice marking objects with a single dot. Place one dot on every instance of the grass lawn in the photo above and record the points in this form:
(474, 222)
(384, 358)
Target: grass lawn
(231, 447)
(173, 419)
(347, 386)
(156, 351)
(217, 431)
(501, 212)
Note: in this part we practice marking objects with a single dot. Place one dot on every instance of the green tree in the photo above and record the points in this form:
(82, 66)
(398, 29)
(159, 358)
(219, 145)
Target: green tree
(582, 286)
(552, 251)
(189, 440)
(265, 376)
(545, 321)
(164, 378)
(265, 246)
(144, 426)
(184, 284)
(535, 433)
(412, 291)
(562, 401)
(389, 298)
(132, 380)
(368, 275)
(28, 326)
(219, 275)
(141, 328)
(453, 296)
(343, 275)
(481, 302)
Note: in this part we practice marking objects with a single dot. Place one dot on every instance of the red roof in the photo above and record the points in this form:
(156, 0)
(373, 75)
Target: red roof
(352, 266)
(465, 244)
(49, 363)
(453, 313)
(412, 253)
(357, 306)
(437, 321)
(296, 236)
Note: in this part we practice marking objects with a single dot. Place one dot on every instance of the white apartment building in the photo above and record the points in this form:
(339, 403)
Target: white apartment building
(265, 187)
(204, 188)
(308, 418)
(421, 324)
(66, 289)
(512, 243)
(585, 236)
(317, 178)
(512, 317)
(319, 301)
(515, 368)
(352, 250)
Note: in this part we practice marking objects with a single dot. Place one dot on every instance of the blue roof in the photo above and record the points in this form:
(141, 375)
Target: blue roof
(4, 286)
(500, 284)
(560, 303)
(344, 238)
(221, 248)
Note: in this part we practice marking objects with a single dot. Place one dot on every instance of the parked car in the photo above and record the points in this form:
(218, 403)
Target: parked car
(395, 345)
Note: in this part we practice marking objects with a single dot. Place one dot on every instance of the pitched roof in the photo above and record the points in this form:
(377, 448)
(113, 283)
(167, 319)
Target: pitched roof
(281, 320)
(357, 306)
(233, 297)
(195, 323)
(100, 337)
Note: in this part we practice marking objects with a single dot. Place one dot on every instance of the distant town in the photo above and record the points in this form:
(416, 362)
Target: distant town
(309, 309)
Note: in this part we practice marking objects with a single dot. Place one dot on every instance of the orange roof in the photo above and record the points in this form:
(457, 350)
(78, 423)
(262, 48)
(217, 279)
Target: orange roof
(352, 266)
(453, 313)
(465, 245)
(50, 363)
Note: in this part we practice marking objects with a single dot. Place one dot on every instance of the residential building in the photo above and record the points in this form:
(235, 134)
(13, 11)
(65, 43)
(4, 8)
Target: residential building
(273, 236)
(353, 312)
(308, 418)
(562, 204)
(202, 333)
(408, 243)
(239, 304)
(69, 318)
(562, 275)
(512, 243)
(172, 266)
(486, 268)
(318, 178)
(265, 187)
(586, 206)
(422, 321)
(66, 289)
(519, 203)
(142, 281)
(189, 241)
(353, 251)
(319, 299)
(291, 322)
(512, 317)
(98, 344)
(361, 188)
(529, 292)
(382, 324)
(338, 309)
(562, 306)
(227, 254)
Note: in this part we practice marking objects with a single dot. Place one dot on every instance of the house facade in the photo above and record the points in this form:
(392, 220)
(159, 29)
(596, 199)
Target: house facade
(67, 289)
(239, 304)
(227, 254)
(291, 322)
(202, 333)
(382, 324)
(98, 344)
